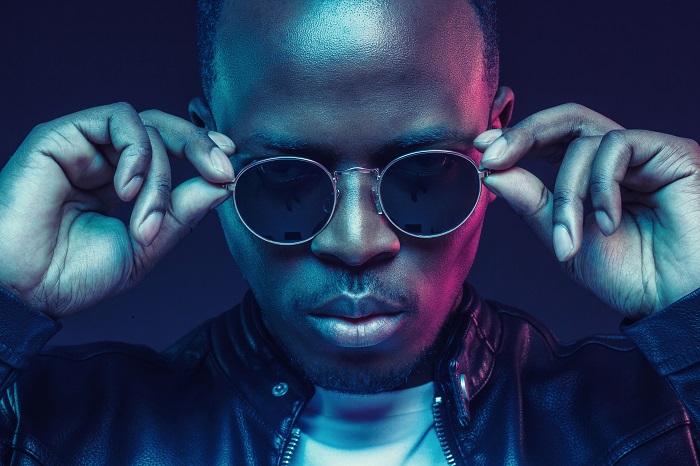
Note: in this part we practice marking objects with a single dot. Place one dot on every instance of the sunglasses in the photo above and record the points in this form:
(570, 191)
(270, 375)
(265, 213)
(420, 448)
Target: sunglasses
(290, 200)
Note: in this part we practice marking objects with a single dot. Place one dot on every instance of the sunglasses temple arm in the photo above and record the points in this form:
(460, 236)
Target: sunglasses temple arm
(228, 186)
(483, 172)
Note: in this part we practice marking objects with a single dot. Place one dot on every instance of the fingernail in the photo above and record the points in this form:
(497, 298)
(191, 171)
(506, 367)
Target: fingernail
(604, 222)
(220, 162)
(563, 245)
(495, 151)
(490, 187)
(487, 137)
(132, 187)
(149, 228)
(221, 140)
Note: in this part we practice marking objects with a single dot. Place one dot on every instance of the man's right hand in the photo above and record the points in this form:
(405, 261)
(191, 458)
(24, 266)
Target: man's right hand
(60, 252)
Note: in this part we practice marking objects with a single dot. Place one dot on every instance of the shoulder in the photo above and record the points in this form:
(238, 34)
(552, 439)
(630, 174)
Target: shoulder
(592, 363)
(111, 367)
(518, 325)
(602, 384)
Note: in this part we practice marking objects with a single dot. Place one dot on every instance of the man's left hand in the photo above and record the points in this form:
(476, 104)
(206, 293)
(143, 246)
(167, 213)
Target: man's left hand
(639, 250)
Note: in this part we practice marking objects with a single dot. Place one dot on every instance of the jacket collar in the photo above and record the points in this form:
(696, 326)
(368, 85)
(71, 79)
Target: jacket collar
(468, 355)
(249, 357)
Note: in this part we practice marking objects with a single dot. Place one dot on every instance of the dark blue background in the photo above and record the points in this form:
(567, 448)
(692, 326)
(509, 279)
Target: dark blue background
(634, 61)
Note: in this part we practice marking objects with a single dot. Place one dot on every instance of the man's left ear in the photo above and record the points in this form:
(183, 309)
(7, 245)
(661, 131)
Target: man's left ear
(501, 112)
(502, 108)
(200, 114)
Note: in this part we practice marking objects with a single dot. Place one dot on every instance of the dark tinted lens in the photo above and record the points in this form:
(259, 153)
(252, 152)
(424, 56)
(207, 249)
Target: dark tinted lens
(286, 201)
(430, 193)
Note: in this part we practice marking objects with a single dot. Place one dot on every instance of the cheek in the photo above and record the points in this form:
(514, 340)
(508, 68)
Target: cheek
(232, 227)
(450, 267)
(266, 268)
(243, 245)
(472, 234)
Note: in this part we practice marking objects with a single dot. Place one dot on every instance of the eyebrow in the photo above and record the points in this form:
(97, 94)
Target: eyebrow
(405, 142)
(427, 136)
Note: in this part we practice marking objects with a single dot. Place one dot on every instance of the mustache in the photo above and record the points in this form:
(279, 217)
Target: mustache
(363, 284)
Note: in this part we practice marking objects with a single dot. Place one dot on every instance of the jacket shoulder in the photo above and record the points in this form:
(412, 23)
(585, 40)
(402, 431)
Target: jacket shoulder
(518, 320)
(600, 386)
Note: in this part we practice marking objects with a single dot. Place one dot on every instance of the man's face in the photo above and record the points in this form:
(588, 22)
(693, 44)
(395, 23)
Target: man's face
(352, 84)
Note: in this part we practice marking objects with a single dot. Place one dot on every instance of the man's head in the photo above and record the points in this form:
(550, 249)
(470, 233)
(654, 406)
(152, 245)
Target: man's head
(209, 12)
(353, 83)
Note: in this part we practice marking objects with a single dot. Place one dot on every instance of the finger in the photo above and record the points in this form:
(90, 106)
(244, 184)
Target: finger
(208, 152)
(65, 159)
(547, 133)
(154, 197)
(644, 161)
(74, 143)
(527, 197)
(570, 191)
(485, 139)
(190, 202)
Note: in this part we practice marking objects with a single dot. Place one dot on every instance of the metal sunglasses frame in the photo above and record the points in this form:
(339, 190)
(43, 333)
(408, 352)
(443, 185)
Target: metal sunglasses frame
(378, 176)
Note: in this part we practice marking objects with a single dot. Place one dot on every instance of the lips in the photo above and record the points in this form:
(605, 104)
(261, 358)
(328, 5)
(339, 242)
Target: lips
(356, 322)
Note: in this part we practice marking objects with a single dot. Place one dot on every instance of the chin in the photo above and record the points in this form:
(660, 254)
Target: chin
(364, 373)
(359, 379)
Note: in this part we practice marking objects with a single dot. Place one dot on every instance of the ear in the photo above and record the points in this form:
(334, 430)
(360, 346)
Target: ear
(200, 114)
(501, 112)
(502, 108)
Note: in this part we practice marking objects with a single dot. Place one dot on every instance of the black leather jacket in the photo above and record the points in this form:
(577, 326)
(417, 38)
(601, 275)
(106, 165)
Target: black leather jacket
(507, 393)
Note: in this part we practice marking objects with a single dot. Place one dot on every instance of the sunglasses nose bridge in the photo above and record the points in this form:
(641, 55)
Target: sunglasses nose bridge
(374, 172)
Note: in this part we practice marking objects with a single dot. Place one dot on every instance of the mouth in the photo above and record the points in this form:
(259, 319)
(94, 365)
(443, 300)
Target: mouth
(357, 322)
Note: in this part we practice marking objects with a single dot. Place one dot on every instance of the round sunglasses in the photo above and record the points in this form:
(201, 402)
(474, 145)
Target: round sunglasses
(290, 200)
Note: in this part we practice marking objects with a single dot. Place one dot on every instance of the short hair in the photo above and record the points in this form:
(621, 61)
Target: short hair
(210, 10)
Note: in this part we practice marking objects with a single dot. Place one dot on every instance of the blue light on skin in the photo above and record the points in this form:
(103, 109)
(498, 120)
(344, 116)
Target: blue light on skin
(349, 79)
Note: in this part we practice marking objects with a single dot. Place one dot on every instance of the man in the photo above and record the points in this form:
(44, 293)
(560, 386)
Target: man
(361, 300)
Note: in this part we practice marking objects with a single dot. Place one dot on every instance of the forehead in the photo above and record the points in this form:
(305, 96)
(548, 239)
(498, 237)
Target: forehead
(371, 67)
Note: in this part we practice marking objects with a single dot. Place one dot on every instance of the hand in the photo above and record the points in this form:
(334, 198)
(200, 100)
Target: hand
(639, 250)
(60, 252)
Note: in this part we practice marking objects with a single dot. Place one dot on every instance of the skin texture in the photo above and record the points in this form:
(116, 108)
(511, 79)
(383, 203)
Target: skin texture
(348, 80)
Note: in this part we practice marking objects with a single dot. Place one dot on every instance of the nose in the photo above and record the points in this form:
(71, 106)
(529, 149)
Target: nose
(356, 235)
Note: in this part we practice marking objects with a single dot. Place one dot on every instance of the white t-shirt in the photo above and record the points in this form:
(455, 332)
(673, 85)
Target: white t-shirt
(388, 429)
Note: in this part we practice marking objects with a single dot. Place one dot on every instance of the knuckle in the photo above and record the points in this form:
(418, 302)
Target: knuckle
(578, 117)
(152, 132)
(573, 107)
(543, 200)
(531, 213)
(523, 134)
(139, 149)
(583, 143)
(124, 108)
(41, 129)
(577, 146)
(615, 137)
(195, 139)
(599, 184)
(149, 115)
(570, 107)
(162, 187)
(196, 132)
(563, 198)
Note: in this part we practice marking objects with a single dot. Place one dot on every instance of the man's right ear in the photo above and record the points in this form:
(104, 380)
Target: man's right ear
(200, 114)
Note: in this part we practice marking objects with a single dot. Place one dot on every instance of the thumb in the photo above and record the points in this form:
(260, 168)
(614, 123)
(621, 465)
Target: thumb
(529, 198)
(190, 202)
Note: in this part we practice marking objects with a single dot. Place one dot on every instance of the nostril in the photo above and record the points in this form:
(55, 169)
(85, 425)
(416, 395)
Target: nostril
(384, 256)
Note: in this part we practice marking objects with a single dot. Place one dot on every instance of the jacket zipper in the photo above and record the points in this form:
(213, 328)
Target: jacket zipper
(440, 430)
(291, 445)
